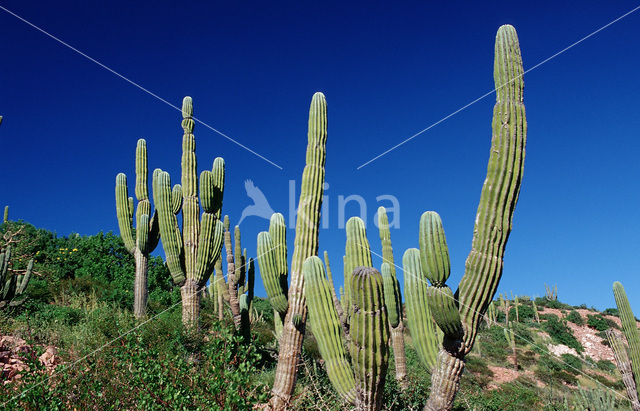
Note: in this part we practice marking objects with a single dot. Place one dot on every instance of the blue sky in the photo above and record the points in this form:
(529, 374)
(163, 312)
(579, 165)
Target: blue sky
(387, 71)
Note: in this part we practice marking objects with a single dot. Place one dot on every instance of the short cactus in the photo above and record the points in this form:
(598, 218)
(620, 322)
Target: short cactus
(393, 299)
(511, 340)
(192, 252)
(147, 230)
(361, 383)
(12, 283)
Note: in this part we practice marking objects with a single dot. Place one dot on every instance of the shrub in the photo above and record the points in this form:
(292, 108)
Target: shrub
(600, 323)
(561, 334)
(611, 311)
(525, 313)
(575, 318)
(606, 365)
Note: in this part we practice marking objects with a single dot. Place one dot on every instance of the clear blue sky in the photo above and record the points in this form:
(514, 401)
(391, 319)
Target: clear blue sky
(387, 71)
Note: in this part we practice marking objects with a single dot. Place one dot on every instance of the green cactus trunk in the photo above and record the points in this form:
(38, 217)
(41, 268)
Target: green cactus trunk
(6, 215)
(624, 366)
(305, 245)
(498, 199)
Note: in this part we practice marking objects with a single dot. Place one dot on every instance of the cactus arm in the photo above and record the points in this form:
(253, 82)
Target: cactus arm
(239, 261)
(154, 232)
(369, 346)
(629, 328)
(419, 318)
(270, 273)
(6, 208)
(501, 188)
(218, 173)
(325, 325)
(357, 254)
(305, 245)
(176, 199)
(123, 213)
(209, 246)
(334, 297)
(167, 221)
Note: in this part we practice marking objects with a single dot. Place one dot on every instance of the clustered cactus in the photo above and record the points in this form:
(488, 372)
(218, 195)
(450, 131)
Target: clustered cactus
(511, 340)
(628, 359)
(147, 233)
(192, 251)
(12, 283)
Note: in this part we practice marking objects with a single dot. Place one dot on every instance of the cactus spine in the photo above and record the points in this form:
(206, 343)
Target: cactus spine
(12, 283)
(361, 383)
(192, 252)
(393, 299)
(305, 245)
(629, 329)
(624, 366)
(147, 229)
(459, 316)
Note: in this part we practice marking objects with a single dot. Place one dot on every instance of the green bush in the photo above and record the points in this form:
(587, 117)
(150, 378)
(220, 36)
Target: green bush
(525, 313)
(600, 323)
(606, 365)
(571, 363)
(575, 318)
(611, 311)
(561, 334)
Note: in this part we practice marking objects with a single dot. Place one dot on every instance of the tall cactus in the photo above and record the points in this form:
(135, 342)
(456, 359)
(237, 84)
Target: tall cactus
(623, 362)
(629, 329)
(192, 252)
(305, 245)
(393, 299)
(147, 230)
(459, 315)
(12, 283)
(6, 215)
(361, 383)
(511, 340)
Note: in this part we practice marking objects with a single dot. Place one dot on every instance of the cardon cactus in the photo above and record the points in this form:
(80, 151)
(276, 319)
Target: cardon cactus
(192, 251)
(305, 245)
(393, 299)
(629, 329)
(147, 230)
(623, 362)
(361, 383)
(459, 315)
(6, 215)
(13, 283)
(511, 340)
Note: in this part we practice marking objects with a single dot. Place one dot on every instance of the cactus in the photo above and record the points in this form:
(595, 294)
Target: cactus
(459, 315)
(305, 245)
(511, 340)
(421, 325)
(551, 293)
(192, 252)
(361, 383)
(515, 304)
(393, 299)
(13, 283)
(147, 230)
(492, 315)
(597, 399)
(629, 329)
(624, 366)
(535, 311)
(6, 212)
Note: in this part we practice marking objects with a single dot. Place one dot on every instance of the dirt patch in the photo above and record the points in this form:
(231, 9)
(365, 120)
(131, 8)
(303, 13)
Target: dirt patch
(502, 375)
(14, 350)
